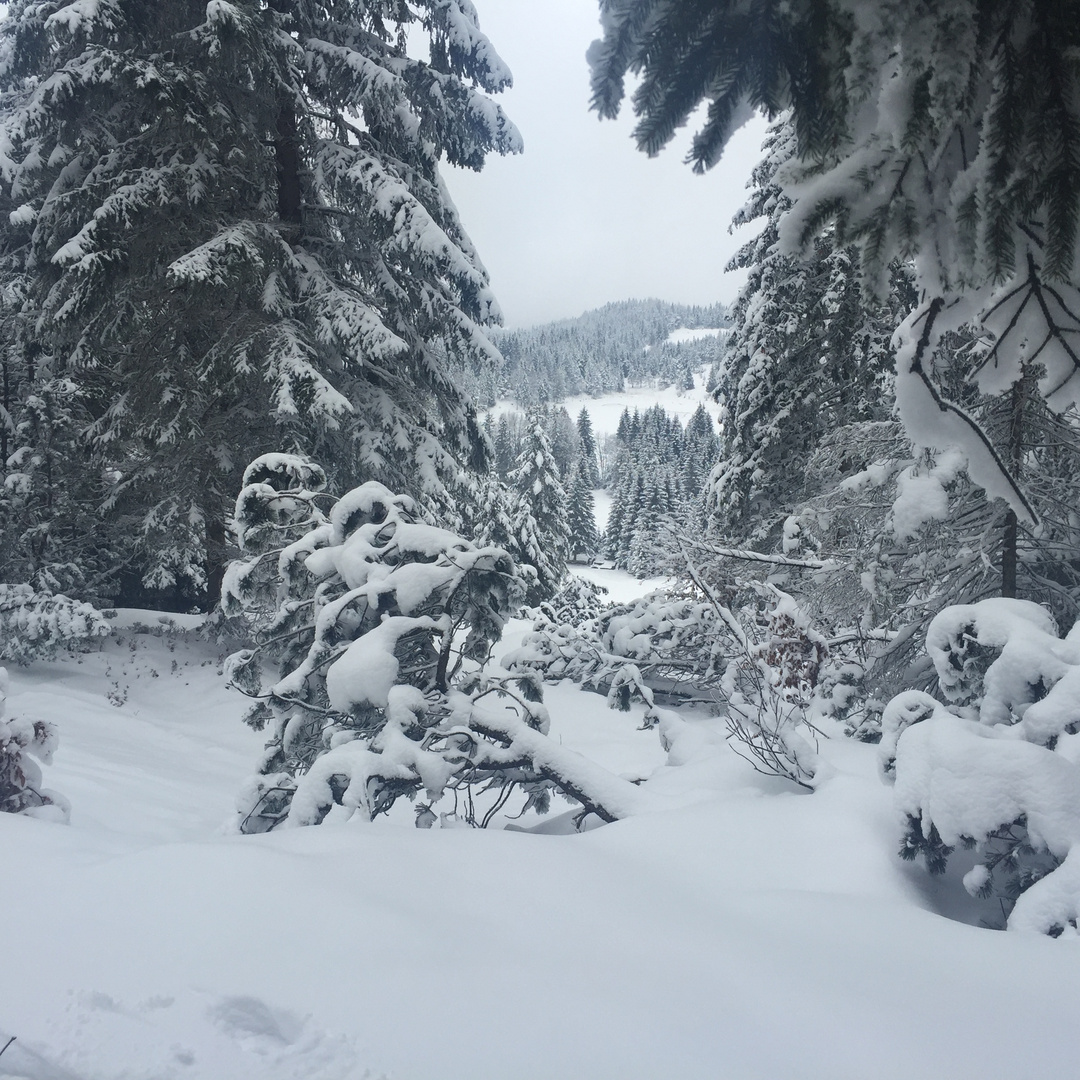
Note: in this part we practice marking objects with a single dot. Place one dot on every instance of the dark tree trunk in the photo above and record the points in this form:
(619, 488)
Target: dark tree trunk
(1011, 529)
(287, 153)
(215, 558)
(6, 419)
(1008, 554)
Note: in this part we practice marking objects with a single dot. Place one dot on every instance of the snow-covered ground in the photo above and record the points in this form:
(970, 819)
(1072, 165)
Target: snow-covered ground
(602, 500)
(751, 932)
(621, 586)
(686, 333)
(606, 409)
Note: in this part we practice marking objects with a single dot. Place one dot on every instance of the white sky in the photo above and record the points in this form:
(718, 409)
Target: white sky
(583, 217)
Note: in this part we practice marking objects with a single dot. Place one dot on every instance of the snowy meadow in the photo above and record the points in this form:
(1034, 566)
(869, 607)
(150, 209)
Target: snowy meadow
(740, 929)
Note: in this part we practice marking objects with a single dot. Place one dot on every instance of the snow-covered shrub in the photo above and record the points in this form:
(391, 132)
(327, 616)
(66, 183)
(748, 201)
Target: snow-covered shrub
(762, 668)
(382, 628)
(771, 689)
(577, 602)
(997, 770)
(676, 643)
(22, 740)
(34, 625)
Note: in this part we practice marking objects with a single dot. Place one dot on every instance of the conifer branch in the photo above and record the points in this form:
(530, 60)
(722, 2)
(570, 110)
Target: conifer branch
(944, 405)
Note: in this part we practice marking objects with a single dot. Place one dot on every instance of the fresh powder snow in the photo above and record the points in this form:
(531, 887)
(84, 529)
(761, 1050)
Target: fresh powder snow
(148, 941)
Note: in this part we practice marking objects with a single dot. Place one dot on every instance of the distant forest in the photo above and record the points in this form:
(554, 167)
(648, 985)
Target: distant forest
(599, 352)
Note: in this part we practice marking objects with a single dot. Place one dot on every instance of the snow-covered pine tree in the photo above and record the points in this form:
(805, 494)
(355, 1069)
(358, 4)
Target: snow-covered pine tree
(587, 442)
(507, 440)
(964, 781)
(565, 445)
(49, 520)
(699, 455)
(382, 626)
(529, 539)
(647, 497)
(658, 507)
(496, 525)
(808, 353)
(36, 625)
(22, 740)
(581, 512)
(625, 491)
(231, 231)
(540, 521)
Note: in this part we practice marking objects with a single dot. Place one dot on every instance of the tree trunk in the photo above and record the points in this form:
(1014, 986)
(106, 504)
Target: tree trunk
(215, 557)
(287, 149)
(6, 419)
(287, 154)
(1011, 529)
(1008, 554)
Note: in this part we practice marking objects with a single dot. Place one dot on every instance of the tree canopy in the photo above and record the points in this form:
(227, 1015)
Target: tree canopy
(225, 231)
(945, 133)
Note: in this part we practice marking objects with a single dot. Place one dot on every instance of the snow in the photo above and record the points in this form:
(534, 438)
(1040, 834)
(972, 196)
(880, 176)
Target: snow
(1031, 654)
(686, 333)
(919, 499)
(602, 500)
(746, 932)
(606, 409)
(622, 586)
(969, 780)
(368, 669)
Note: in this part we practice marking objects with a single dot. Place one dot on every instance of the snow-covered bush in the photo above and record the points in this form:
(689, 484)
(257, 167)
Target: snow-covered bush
(34, 625)
(771, 692)
(677, 643)
(22, 740)
(997, 770)
(577, 602)
(382, 627)
(761, 668)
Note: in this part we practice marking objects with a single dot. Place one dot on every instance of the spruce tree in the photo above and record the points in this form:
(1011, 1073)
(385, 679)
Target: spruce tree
(700, 449)
(581, 512)
(808, 354)
(565, 445)
(230, 234)
(587, 441)
(540, 518)
(506, 449)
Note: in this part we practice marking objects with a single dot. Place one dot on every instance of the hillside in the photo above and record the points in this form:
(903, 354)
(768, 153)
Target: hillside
(601, 351)
(744, 932)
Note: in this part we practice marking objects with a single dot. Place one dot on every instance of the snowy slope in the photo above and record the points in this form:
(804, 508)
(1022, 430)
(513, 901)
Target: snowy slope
(687, 333)
(605, 409)
(755, 933)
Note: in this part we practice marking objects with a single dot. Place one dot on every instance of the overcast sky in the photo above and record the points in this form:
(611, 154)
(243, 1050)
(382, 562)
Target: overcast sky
(583, 217)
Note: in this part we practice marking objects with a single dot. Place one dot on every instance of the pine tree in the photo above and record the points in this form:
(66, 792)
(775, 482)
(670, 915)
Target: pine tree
(565, 445)
(808, 353)
(587, 441)
(540, 517)
(230, 231)
(581, 512)
(700, 449)
(506, 448)
(21, 740)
